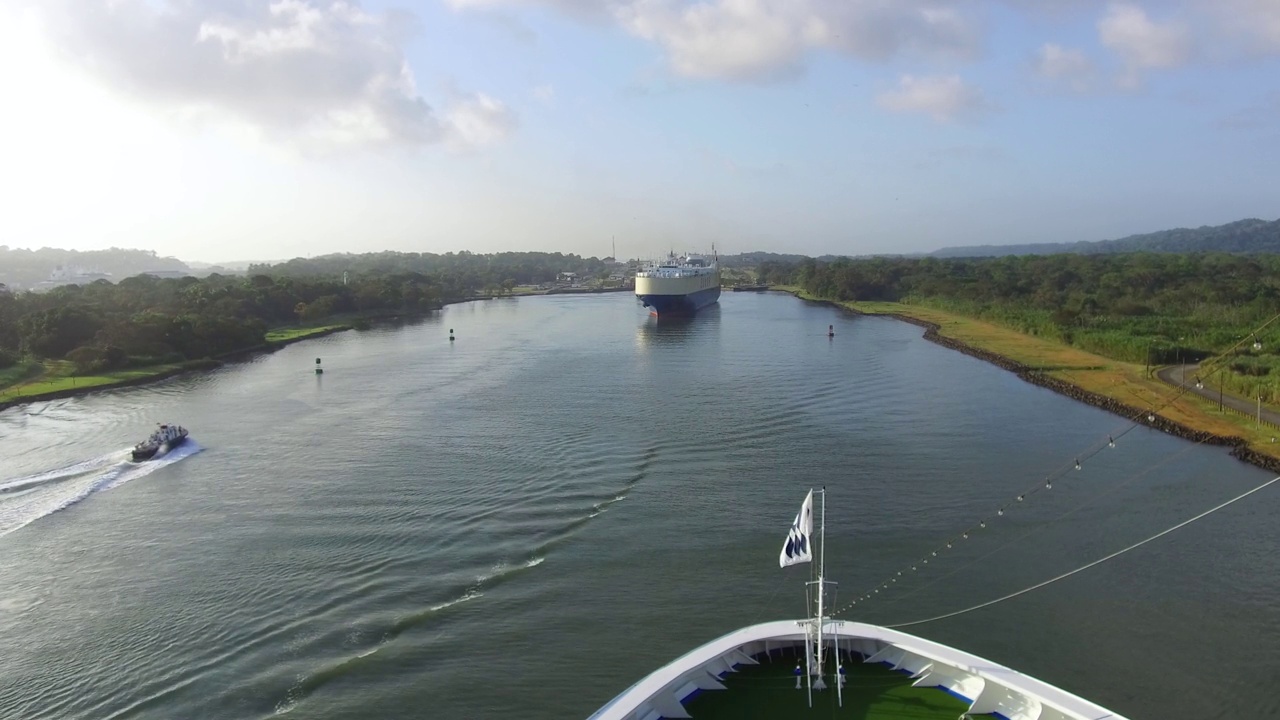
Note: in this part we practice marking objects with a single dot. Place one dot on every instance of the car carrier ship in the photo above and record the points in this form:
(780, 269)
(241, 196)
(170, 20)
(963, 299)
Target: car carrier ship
(679, 285)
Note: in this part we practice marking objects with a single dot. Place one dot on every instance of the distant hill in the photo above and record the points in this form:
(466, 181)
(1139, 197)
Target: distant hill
(21, 268)
(1241, 236)
(754, 259)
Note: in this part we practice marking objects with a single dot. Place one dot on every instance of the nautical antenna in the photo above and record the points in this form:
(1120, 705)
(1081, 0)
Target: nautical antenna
(798, 549)
(817, 682)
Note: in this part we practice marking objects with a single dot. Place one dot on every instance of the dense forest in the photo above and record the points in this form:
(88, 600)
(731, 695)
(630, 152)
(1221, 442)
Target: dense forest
(146, 320)
(467, 270)
(1138, 307)
(1242, 236)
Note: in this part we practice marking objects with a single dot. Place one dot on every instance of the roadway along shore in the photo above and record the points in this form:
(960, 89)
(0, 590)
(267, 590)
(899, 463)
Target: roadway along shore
(1184, 376)
(1118, 387)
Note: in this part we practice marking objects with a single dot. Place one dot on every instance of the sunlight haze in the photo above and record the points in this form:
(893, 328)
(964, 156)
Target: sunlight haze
(267, 129)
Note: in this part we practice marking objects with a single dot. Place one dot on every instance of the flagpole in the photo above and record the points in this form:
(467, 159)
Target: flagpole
(808, 669)
(822, 588)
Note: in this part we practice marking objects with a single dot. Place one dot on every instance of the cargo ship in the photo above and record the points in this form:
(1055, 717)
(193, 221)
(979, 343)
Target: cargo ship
(679, 285)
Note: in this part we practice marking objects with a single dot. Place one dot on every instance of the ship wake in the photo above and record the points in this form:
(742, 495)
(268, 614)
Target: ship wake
(27, 499)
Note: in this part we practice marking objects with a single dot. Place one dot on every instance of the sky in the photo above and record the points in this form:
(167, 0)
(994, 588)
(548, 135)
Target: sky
(232, 130)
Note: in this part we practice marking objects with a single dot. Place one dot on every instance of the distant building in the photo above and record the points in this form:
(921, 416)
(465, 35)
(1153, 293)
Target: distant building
(70, 275)
(568, 277)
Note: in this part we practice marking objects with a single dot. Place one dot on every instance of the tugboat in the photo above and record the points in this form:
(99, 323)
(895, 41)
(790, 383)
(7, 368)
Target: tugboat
(167, 436)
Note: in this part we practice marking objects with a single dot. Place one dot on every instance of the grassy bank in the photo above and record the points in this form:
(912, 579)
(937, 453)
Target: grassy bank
(19, 372)
(57, 378)
(1115, 379)
(283, 336)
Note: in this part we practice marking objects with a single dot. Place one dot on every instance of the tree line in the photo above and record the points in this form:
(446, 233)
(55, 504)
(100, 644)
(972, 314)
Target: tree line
(145, 320)
(1137, 307)
(468, 270)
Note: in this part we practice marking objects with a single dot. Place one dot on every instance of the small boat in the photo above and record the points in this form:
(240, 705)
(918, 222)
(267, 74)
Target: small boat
(165, 437)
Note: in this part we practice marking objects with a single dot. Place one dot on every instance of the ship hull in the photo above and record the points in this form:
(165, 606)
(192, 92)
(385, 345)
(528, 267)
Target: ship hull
(146, 453)
(986, 687)
(683, 304)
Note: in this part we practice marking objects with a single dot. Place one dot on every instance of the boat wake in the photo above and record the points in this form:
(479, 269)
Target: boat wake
(307, 684)
(27, 499)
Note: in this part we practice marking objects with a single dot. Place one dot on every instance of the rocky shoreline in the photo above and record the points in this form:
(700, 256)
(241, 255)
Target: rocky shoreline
(1239, 446)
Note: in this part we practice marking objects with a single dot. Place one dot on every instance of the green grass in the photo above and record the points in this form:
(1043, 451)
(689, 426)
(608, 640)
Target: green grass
(284, 335)
(872, 692)
(19, 372)
(1123, 381)
(58, 375)
(29, 380)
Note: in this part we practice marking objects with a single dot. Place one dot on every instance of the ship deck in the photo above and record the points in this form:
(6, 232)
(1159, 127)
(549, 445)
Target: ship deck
(871, 692)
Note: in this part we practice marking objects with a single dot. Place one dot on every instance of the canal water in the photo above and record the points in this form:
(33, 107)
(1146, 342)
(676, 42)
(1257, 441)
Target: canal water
(525, 521)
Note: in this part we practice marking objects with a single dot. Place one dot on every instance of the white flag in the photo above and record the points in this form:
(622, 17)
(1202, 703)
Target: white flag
(797, 549)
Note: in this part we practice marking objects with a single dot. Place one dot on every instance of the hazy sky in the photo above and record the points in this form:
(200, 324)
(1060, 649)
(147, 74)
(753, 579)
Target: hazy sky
(223, 130)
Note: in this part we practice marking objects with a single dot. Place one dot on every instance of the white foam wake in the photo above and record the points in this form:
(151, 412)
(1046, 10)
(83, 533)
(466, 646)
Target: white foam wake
(25, 500)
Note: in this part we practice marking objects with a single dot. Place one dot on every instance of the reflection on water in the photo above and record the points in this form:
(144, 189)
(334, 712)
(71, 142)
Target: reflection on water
(655, 331)
(574, 479)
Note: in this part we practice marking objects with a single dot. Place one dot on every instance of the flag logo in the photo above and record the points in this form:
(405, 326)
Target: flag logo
(797, 550)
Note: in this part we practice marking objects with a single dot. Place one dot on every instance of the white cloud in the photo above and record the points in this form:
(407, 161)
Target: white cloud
(767, 39)
(757, 40)
(478, 121)
(735, 39)
(1141, 43)
(581, 8)
(942, 97)
(1257, 21)
(1066, 65)
(318, 72)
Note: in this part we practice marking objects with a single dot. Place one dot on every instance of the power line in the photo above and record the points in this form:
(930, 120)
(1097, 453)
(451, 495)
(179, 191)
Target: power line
(1047, 484)
(1082, 568)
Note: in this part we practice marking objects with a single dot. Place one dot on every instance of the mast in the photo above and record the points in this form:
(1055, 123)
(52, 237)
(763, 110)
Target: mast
(822, 588)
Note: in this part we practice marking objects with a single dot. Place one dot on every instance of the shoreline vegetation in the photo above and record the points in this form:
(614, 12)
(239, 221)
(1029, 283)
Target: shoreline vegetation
(39, 381)
(56, 379)
(76, 338)
(1091, 327)
(1113, 385)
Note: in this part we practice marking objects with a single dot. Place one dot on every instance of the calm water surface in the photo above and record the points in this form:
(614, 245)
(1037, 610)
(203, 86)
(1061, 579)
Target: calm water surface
(527, 520)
